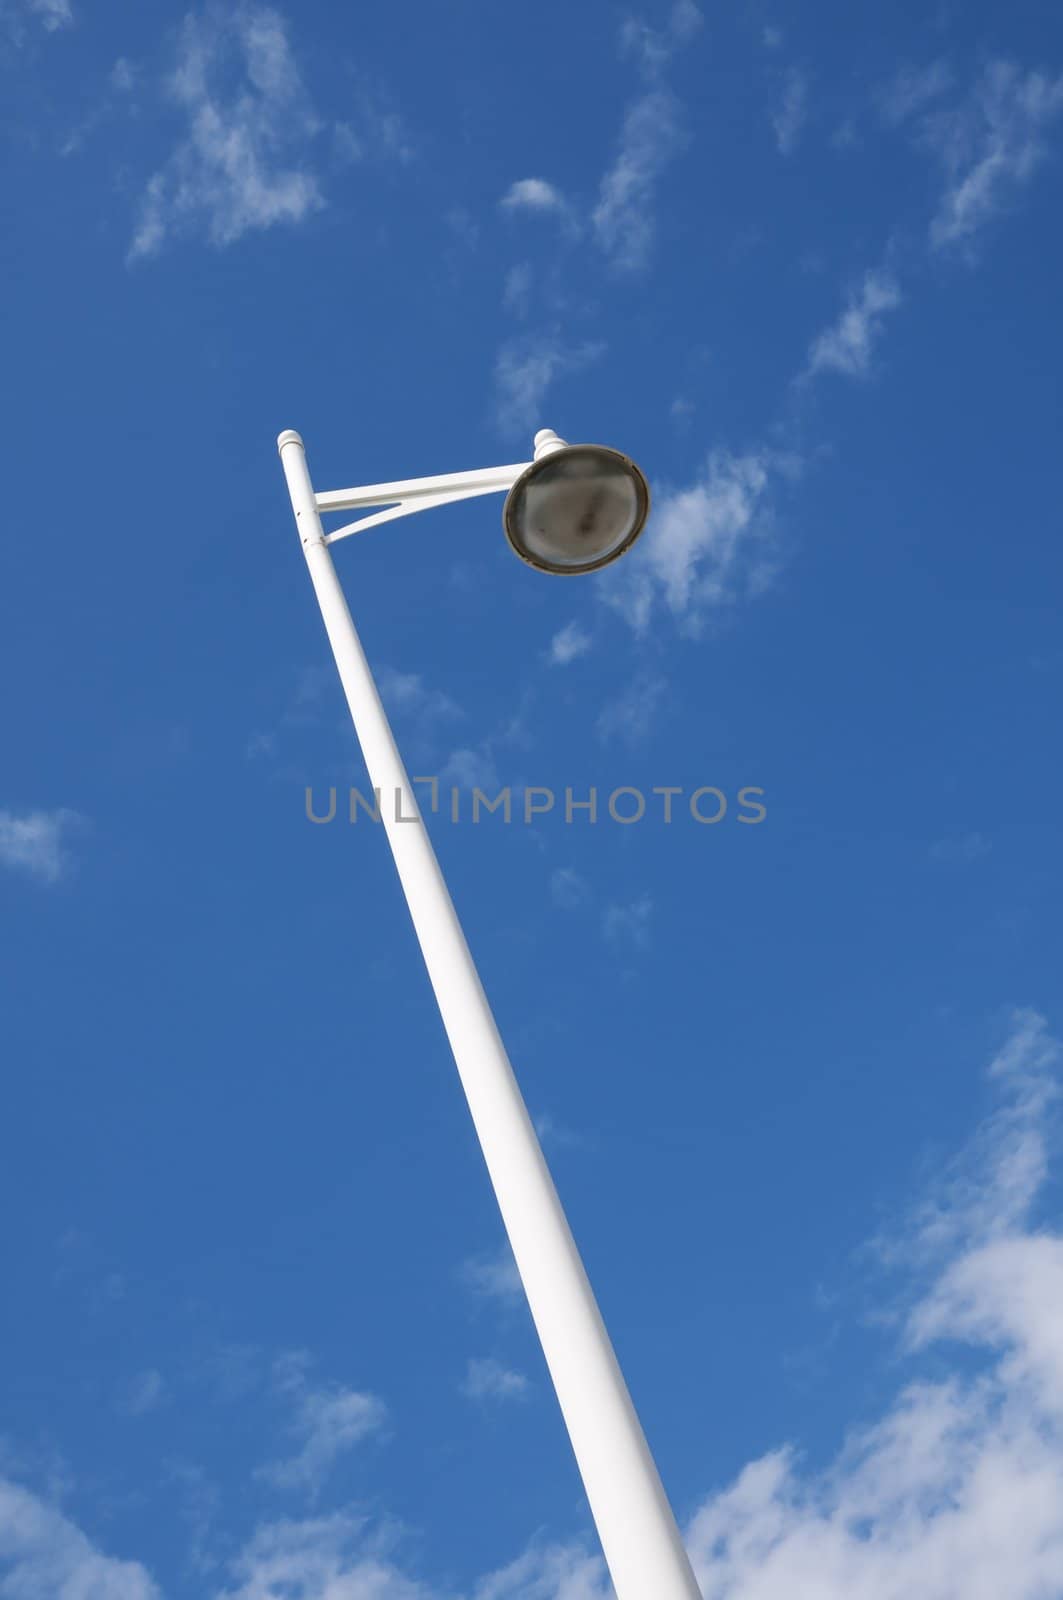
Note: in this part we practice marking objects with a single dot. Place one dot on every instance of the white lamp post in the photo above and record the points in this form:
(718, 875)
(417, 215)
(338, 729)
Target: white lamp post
(572, 509)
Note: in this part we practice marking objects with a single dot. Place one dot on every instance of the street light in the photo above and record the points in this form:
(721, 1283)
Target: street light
(572, 509)
(576, 508)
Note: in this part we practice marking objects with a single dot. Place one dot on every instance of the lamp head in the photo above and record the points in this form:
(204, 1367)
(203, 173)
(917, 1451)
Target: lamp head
(578, 507)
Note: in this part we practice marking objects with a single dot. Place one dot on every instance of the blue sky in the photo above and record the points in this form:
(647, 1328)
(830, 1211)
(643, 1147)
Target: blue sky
(796, 1081)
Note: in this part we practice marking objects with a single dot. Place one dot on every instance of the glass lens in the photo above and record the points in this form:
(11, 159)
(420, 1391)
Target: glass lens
(577, 508)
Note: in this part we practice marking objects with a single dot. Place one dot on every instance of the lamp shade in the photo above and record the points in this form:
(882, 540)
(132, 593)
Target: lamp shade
(576, 509)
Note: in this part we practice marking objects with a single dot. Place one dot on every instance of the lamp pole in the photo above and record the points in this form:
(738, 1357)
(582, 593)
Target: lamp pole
(638, 1532)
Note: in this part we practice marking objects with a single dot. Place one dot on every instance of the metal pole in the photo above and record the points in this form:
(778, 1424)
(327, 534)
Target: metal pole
(638, 1532)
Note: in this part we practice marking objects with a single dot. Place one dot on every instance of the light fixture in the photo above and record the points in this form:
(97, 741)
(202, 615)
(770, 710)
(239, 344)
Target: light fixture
(578, 507)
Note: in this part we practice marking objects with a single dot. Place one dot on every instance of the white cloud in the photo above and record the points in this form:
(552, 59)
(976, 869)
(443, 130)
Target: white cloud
(517, 289)
(989, 1189)
(118, 99)
(123, 76)
(533, 194)
(555, 1133)
(493, 1277)
(958, 1488)
(36, 842)
(306, 699)
(791, 113)
(651, 135)
(374, 128)
(470, 769)
(143, 1393)
(655, 47)
(568, 889)
(630, 714)
(196, 1501)
(321, 1558)
(955, 1489)
(623, 218)
(990, 146)
(339, 1558)
(705, 546)
(242, 164)
(568, 644)
(488, 1379)
(629, 924)
(525, 369)
(49, 14)
(847, 345)
(548, 1572)
(53, 14)
(407, 694)
(326, 1423)
(912, 89)
(44, 1556)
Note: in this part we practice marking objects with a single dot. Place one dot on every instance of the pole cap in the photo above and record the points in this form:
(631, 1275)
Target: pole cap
(289, 436)
(546, 442)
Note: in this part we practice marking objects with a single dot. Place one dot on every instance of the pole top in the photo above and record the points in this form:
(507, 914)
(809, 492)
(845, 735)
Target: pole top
(546, 442)
(289, 436)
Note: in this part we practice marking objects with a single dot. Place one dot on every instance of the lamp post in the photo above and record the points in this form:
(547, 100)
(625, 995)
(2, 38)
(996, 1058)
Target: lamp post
(571, 509)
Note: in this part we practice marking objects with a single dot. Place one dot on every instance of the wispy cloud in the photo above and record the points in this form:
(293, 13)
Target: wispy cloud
(303, 708)
(326, 1422)
(791, 113)
(471, 768)
(568, 889)
(52, 13)
(488, 1379)
(549, 1572)
(143, 1393)
(847, 346)
(317, 1558)
(426, 714)
(374, 128)
(36, 842)
(623, 217)
(652, 134)
(568, 644)
(552, 1132)
(655, 47)
(524, 371)
(629, 924)
(243, 162)
(493, 1277)
(989, 1189)
(407, 691)
(630, 715)
(912, 89)
(44, 1555)
(196, 1500)
(517, 289)
(706, 546)
(49, 14)
(123, 76)
(957, 1489)
(341, 1558)
(118, 98)
(534, 194)
(990, 146)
